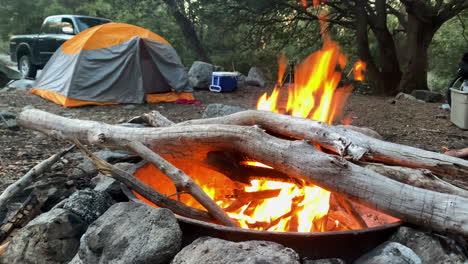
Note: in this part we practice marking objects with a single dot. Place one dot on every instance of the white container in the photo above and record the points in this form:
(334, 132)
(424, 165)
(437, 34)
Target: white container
(459, 109)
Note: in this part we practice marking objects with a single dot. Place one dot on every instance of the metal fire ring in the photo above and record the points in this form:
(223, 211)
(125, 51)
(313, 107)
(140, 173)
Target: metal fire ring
(347, 245)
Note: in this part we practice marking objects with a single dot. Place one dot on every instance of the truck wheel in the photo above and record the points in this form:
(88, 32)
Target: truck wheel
(26, 68)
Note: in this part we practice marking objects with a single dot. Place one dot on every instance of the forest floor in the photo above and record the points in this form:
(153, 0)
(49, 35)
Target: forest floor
(422, 125)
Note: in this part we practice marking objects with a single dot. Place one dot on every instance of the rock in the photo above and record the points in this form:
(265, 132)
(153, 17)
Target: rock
(200, 74)
(325, 261)
(240, 80)
(9, 124)
(21, 85)
(131, 233)
(27, 107)
(6, 115)
(428, 96)
(129, 107)
(407, 97)
(429, 247)
(86, 168)
(389, 253)
(50, 238)
(217, 110)
(87, 204)
(110, 186)
(8, 120)
(256, 77)
(214, 250)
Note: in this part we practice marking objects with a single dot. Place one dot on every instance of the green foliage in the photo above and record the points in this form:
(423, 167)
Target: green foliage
(448, 46)
(237, 34)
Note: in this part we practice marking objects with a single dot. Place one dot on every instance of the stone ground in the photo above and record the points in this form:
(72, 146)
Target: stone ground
(422, 125)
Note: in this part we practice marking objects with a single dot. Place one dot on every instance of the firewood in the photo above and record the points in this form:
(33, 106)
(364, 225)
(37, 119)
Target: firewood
(347, 143)
(153, 118)
(33, 173)
(180, 180)
(421, 178)
(297, 158)
(144, 190)
(350, 210)
(459, 153)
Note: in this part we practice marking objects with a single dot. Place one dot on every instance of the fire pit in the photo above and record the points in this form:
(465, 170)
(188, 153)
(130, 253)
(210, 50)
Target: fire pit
(346, 244)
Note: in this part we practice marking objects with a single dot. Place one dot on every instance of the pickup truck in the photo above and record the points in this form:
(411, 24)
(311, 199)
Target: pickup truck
(33, 51)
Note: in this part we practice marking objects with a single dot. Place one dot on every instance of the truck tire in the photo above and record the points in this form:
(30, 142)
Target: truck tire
(26, 68)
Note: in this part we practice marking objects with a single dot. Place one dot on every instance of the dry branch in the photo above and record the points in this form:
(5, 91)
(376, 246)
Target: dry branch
(459, 153)
(144, 190)
(33, 173)
(296, 158)
(153, 118)
(180, 180)
(421, 178)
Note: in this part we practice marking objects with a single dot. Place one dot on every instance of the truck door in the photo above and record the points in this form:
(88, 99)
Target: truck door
(61, 36)
(46, 43)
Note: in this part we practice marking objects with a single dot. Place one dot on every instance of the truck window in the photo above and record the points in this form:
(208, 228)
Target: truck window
(66, 22)
(87, 22)
(51, 26)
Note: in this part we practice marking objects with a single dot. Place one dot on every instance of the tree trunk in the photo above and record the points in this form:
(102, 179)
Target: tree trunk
(419, 37)
(188, 31)
(386, 78)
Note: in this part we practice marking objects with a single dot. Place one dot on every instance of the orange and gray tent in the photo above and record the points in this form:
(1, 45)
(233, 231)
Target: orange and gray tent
(114, 63)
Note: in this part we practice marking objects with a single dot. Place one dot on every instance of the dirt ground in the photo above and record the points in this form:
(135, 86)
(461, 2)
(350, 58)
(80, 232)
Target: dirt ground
(422, 125)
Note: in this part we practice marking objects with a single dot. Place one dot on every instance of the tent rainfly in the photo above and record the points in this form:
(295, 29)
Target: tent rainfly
(114, 63)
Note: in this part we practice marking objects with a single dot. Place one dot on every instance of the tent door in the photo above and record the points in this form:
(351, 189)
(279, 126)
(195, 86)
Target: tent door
(153, 81)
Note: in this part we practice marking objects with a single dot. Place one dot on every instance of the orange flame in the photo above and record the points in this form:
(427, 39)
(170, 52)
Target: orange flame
(315, 94)
(359, 68)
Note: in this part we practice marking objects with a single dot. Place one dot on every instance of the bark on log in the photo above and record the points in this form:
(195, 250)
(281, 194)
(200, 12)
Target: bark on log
(421, 178)
(297, 158)
(347, 143)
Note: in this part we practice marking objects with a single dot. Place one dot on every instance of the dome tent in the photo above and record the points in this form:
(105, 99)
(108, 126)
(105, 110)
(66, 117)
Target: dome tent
(114, 63)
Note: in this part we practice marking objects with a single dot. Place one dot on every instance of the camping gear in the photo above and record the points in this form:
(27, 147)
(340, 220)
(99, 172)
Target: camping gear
(459, 109)
(460, 77)
(223, 81)
(114, 63)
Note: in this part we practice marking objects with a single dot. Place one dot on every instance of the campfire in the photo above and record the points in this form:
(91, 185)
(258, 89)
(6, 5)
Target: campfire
(282, 204)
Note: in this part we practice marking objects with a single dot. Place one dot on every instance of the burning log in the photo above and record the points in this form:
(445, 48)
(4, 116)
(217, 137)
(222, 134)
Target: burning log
(297, 158)
(143, 189)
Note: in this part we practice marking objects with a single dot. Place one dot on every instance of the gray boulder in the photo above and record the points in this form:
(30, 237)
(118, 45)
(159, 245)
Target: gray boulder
(428, 96)
(240, 80)
(256, 77)
(131, 233)
(87, 204)
(390, 253)
(218, 251)
(52, 237)
(407, 97)
(199, 74)
(217, 110)
(429, 247)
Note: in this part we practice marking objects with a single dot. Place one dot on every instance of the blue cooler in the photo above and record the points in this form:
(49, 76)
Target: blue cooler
(223, 81)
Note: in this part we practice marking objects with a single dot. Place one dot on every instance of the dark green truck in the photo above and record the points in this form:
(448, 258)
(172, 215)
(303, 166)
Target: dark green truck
(33, 51)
